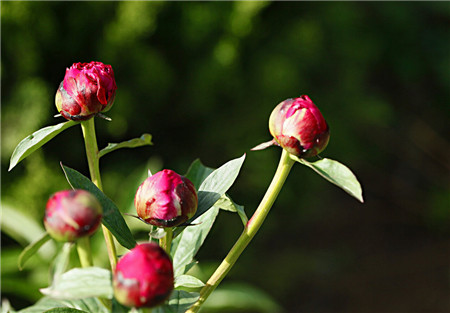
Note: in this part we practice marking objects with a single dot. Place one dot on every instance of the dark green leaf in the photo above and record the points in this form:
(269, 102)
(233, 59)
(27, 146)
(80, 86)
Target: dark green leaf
(80, 283)
(112, 218)
(186, 245)
(36, 140)
(32, 248)
(336, 173)
(144, 140)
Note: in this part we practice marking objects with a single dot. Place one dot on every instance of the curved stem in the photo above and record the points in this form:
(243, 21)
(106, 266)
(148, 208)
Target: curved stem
(250, 230)
(90, 141)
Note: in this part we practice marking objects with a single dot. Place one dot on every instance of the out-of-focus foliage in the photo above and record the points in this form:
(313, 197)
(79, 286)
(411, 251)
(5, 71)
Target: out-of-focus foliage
(202, 78)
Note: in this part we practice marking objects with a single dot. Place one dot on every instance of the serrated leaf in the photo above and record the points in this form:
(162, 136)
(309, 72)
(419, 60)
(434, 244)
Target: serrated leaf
(112, 218)
(91, 305)
(227, 204)
(31, 249)
(337, 174)
(216, 184)
(144, 140)
(80, 283)
(187, 244)
(36, 140)
(178, 302)
(188, 281)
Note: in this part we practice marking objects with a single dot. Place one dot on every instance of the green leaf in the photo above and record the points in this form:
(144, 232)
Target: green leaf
(15, 220)
(188, 281)
(144, 140)
(216, 184)
(64, 310)
(36, 140)
(32, 248)
(112, 218)
(197, 173)
(240, 297)
(80, 283)
(227, 204)
(187, 244)
(179, 302)
(91, 305)
(336, 173)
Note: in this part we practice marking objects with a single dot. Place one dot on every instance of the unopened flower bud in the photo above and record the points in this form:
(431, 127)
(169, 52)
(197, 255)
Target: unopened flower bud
(87, 89)
(298, 127)
(143, 276)
(71, 214)
(166, 199)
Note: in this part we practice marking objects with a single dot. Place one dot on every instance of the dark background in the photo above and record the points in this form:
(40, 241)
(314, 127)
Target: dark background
(203, 78)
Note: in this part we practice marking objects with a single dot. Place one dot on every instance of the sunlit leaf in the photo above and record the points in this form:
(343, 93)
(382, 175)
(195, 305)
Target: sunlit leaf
(36, 140)
(187, 244)
(80, 283)
(188, 281)
(227, 204)
(91, 305)
(144, 140)
(31, 249)
(336, 173)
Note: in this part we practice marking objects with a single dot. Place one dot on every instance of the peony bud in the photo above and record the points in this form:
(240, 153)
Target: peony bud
(143, 276)
(166, 199)
(87, 89)
(71, 214)
(298, 127)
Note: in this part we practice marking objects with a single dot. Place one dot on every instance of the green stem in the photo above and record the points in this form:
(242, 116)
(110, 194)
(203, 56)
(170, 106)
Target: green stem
(84, 251)
(166, 241)
(250, 230)
(90, 140)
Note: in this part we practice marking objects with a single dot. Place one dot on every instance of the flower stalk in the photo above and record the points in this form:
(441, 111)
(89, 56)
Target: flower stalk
(250, 230)
(166, 241)
(84, 251)
(90, 140)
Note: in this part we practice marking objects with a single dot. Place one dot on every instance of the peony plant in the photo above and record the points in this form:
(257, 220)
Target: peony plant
(178, 210)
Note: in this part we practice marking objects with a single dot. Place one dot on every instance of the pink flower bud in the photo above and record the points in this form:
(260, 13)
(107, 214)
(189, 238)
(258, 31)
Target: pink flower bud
(87, 89)
(298, 127)
(166, 199)
(71, 214)
(143, 276)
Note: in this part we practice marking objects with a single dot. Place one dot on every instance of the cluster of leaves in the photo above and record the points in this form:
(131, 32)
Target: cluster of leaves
(84, 287)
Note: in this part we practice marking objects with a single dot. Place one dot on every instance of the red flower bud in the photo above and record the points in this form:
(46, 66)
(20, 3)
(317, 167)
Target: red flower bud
(71, 214)
(143, 276)
(166, 199)
(87, 89)
(298, 127)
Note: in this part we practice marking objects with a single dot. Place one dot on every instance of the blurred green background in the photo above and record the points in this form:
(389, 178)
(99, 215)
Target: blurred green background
(203, 78)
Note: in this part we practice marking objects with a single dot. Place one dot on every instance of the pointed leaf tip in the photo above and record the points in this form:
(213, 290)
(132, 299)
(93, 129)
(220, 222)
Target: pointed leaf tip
(336, 173)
